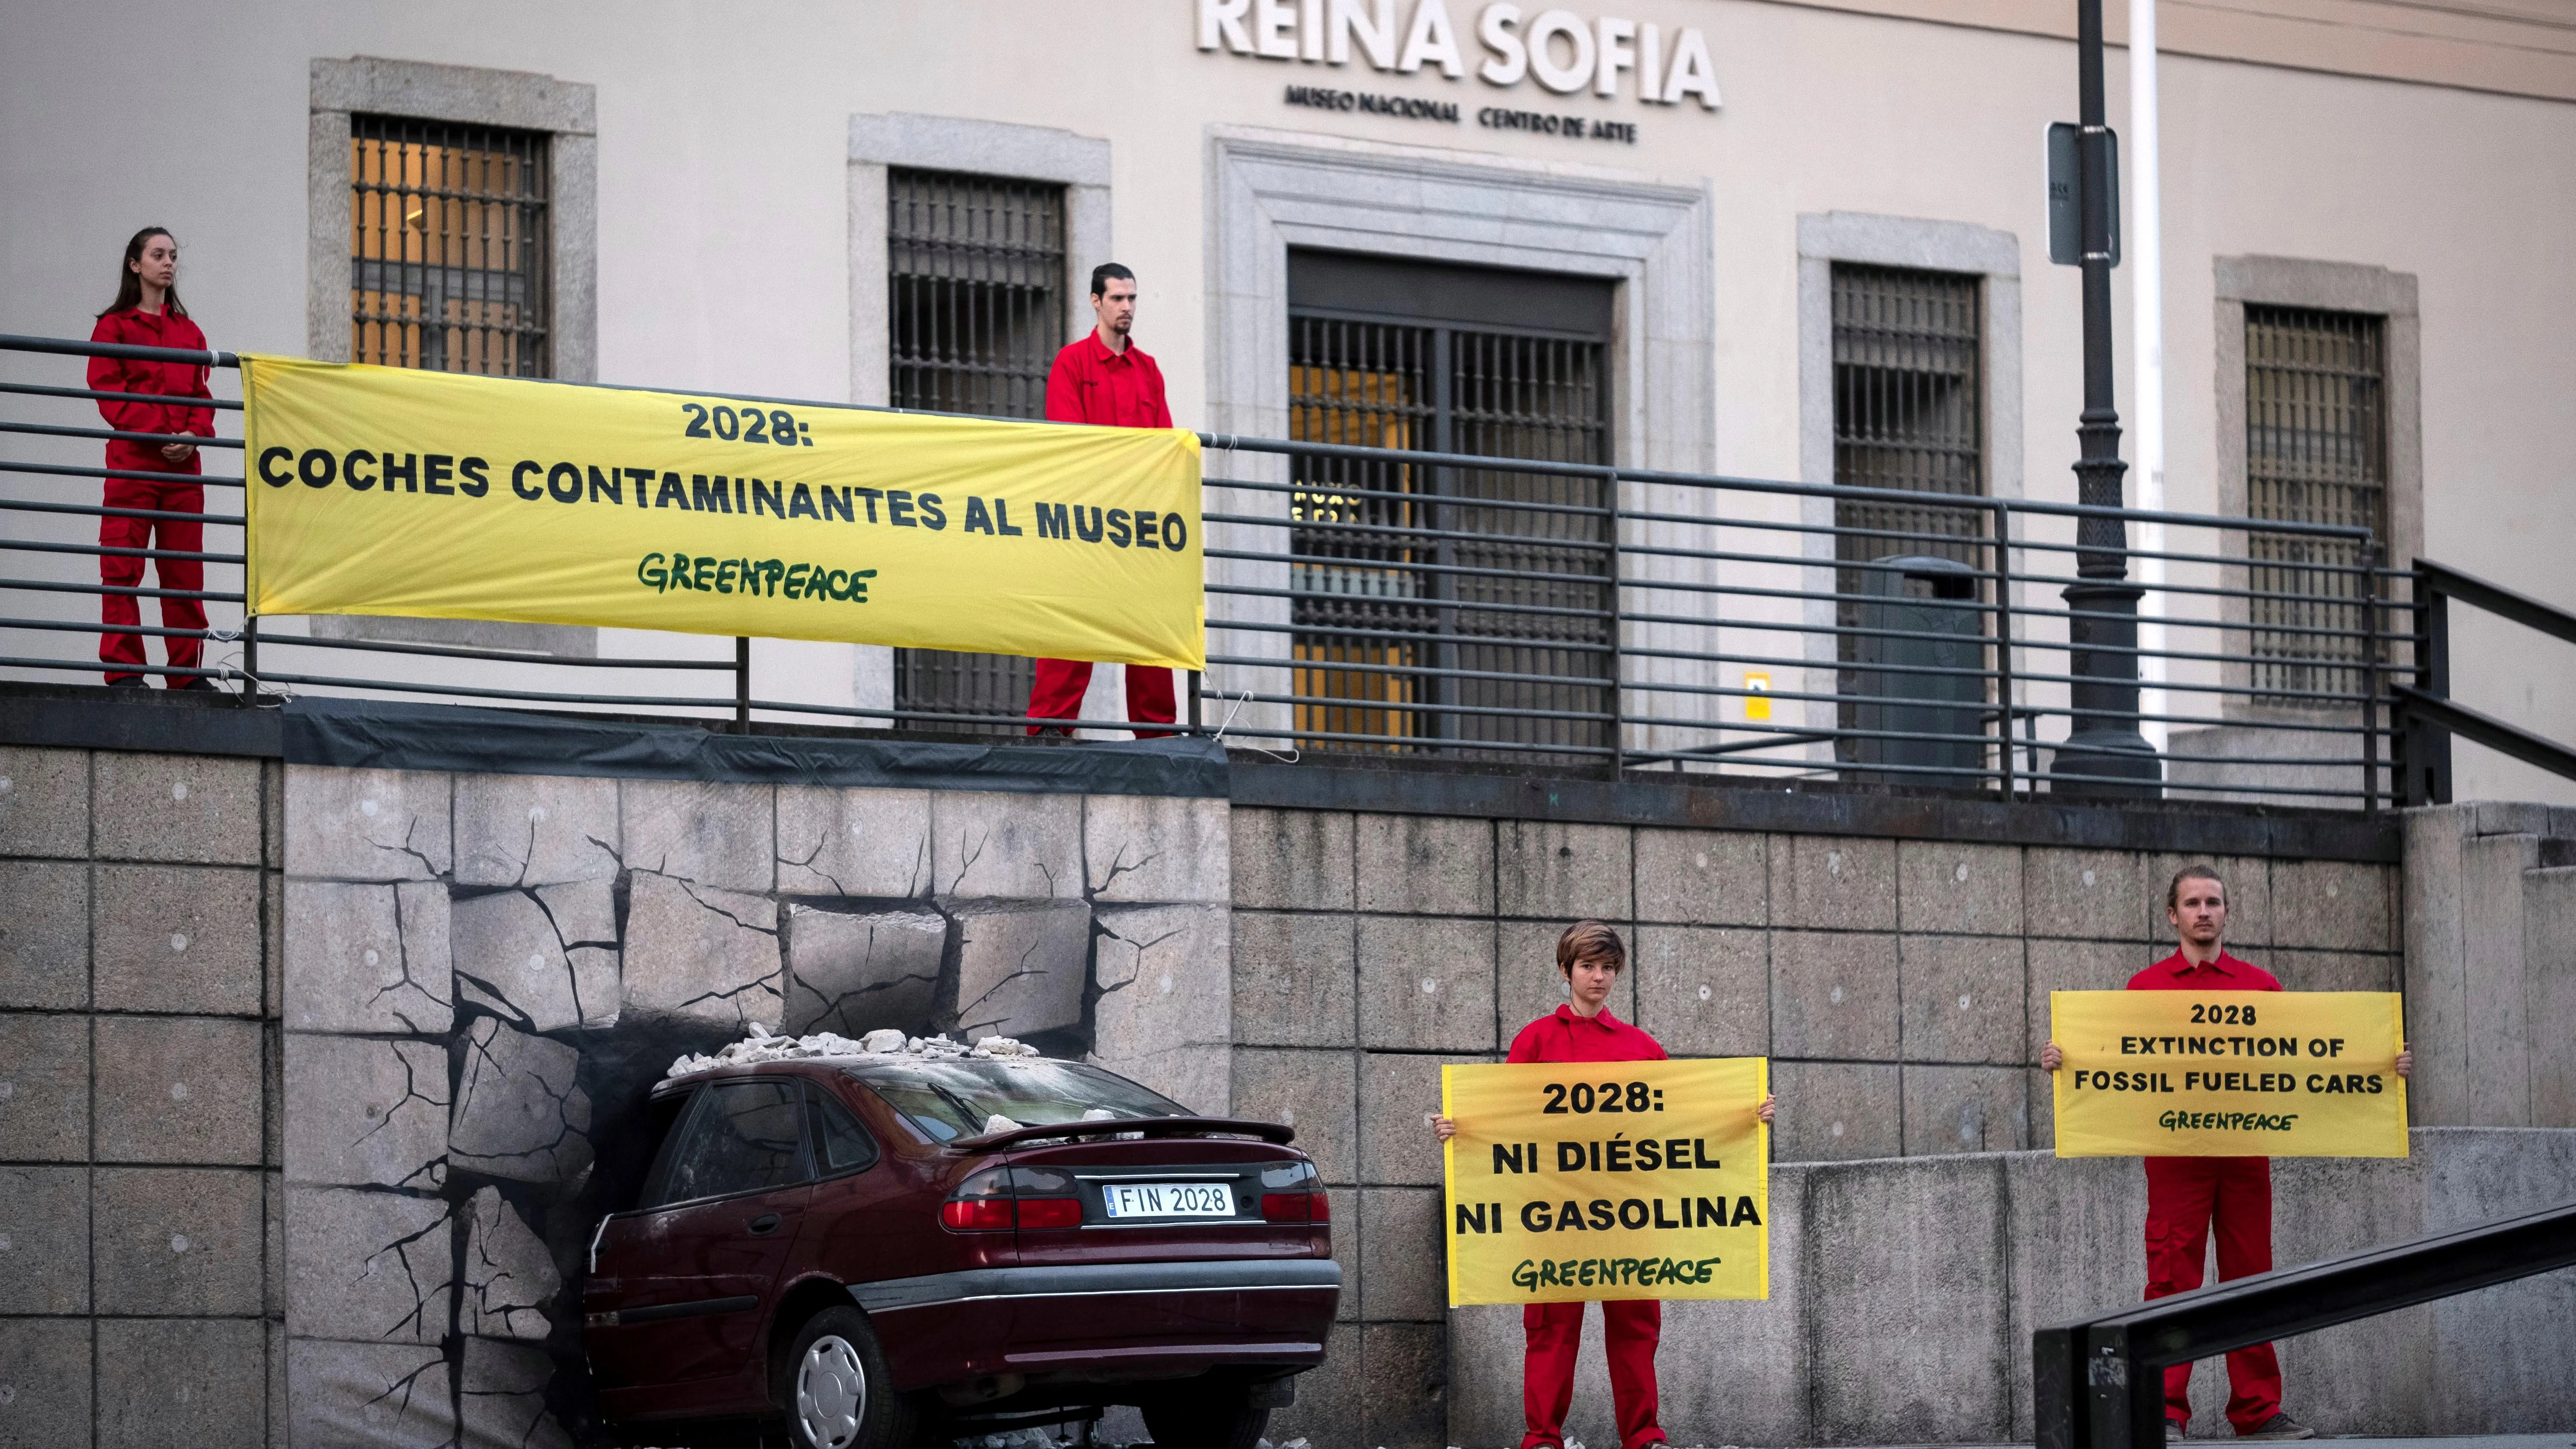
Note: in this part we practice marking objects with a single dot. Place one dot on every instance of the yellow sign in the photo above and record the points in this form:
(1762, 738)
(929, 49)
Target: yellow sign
(2229, 1074)
(1757, 705)
(378, 490)
(1575, 1181)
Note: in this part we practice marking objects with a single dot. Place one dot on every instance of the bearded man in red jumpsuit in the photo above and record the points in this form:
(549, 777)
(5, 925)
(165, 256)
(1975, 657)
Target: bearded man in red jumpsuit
(2188, 1197)
(1590, 956)
(1108, 381)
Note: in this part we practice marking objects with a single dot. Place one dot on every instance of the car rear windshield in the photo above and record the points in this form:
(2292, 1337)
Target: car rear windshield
(947, 1100)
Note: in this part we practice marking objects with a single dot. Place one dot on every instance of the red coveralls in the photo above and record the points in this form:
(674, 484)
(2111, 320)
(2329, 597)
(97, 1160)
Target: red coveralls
(2186, 1195)
(121, 652)
(1554, 1331)
(1091, 384)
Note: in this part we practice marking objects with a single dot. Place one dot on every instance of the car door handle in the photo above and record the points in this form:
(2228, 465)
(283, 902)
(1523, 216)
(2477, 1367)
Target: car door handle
(765, 1223)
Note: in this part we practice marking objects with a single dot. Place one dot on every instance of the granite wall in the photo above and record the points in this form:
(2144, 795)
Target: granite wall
(140, 1293)
(315, 1077)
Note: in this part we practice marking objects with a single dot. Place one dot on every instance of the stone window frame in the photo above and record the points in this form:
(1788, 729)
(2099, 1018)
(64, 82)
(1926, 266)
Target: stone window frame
(2263, 281)
(1270, 189)
(1011, 152)
(521, 100)
(1080, 164)
(1871, 239)
(567, 111)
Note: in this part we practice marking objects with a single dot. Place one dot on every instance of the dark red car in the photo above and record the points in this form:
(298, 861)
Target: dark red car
(853, 1250)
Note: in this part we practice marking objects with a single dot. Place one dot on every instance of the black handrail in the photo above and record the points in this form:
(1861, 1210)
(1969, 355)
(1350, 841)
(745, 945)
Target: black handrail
(2099, 1382)
(2424, 716)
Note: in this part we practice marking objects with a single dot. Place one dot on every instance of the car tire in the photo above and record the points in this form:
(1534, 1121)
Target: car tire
(834, 1392)
(1206, 1416)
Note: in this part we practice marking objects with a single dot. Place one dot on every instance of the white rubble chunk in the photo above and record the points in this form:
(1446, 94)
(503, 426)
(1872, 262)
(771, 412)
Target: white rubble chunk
(765, 1046)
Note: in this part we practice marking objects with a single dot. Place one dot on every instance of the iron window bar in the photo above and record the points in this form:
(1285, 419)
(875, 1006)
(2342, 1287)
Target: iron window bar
(450, 246)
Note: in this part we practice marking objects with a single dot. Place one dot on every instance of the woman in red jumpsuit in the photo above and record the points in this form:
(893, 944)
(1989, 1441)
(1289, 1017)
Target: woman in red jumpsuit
(1590, 956)
(147, 313)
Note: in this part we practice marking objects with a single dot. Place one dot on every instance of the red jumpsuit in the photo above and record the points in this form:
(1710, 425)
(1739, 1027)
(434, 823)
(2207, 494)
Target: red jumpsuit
(1554, 1331)
(2186, 1196)
(1091, 384)
(181, 493)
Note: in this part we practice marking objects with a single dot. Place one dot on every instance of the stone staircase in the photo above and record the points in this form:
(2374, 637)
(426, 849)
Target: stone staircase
(2490, 910)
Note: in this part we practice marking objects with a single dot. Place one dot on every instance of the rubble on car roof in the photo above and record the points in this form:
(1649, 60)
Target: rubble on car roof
(763, 1046)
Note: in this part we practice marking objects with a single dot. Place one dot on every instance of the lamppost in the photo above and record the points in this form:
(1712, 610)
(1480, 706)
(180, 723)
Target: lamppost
(2104, 754)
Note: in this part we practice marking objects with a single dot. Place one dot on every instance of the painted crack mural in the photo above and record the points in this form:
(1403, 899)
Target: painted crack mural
(485, 974)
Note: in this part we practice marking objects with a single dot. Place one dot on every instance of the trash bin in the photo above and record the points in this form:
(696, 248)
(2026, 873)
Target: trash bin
(1939, 641)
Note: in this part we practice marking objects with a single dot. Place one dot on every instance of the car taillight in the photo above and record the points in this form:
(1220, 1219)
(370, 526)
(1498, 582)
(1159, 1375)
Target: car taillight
(977, 1215)
(1050, 1212)
(1296, 1207)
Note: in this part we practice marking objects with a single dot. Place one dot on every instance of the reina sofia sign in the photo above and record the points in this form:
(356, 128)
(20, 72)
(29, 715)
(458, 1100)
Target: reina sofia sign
(1560, 50)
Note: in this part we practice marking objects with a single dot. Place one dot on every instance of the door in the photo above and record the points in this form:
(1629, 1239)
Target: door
(691, 1275)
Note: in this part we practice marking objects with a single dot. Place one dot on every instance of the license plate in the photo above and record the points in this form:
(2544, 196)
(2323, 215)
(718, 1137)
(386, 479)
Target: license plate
(1168, 1199)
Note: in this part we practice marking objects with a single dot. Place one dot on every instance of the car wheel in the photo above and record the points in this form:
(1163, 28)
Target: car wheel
(1206, 1416)
(833, 1388)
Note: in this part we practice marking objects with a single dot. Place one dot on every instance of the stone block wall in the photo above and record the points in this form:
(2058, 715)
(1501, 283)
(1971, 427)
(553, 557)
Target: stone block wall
(139, 1141)
(485, 973)
(1900, 988)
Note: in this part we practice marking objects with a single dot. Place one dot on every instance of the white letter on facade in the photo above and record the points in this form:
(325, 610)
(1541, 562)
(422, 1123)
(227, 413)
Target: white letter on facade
(1376, 32)
(1224, 17)
(1510, 61)
(1432, 38)
(1565, 80)
(1650, 64)
(1616, 54)
(1310, 29)
(1274, 27)
(1692, 74)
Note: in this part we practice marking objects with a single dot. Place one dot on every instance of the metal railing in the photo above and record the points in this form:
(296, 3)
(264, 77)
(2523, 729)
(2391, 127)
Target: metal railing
(1694, 624)
(2099, 1383)
(2427, 716)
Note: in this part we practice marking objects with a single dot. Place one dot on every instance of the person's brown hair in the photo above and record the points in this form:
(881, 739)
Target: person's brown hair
(129, 283)
(1596, 939)
(2173, 888)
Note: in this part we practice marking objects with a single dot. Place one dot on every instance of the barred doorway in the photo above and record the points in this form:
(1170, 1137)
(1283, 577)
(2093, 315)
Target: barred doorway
(1909, 402)
(1443, 608)
(976, 308)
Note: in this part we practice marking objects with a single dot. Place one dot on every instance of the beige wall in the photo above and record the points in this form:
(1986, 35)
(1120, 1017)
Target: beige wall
(723, 235)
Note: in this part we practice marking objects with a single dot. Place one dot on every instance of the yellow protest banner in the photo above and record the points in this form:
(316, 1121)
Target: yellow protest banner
(2229, 1074)
(378, 490)
(1576, 1181)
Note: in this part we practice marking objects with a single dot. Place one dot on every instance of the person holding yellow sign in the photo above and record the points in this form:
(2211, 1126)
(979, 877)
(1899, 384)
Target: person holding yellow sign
(2189, 1196)
(1590, 956)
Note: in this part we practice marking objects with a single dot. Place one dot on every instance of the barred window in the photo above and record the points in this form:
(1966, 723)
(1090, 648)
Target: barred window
(1908, 351)
(2316, 451)
(448, 247)
(1433, 608)
(975, 294)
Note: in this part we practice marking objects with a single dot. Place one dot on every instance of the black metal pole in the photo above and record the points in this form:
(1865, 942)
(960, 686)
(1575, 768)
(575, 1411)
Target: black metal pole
(2104, 753)
(741, 685)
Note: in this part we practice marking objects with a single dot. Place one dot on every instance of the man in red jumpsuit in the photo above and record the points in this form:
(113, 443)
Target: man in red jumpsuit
(1108, 381)
(147, 313)
(1590, 956)
(2188, 1196)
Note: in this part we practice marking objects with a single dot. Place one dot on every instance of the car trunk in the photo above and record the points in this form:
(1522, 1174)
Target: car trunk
(1156, 1201)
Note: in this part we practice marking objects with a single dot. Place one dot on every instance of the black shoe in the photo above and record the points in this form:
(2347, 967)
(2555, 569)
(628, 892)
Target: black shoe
(130, 681)
(196, 681)
(2281, 1426)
